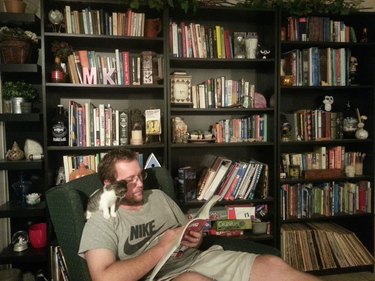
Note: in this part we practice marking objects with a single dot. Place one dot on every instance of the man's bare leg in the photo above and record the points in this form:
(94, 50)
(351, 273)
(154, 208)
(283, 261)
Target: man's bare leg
(271, 268)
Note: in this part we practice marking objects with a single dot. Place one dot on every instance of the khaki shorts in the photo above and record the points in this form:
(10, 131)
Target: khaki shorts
(219, 265)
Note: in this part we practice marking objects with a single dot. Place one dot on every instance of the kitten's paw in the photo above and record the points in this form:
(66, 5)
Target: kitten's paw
(113, 215)
(88, 215)
(106, 216)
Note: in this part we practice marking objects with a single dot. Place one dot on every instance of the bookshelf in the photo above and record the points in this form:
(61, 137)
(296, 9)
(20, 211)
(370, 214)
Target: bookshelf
(302, 100)
(208, 67)
(19, 128)
(114, 94)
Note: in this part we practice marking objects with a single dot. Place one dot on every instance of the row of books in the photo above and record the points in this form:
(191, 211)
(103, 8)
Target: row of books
(315, 66)
(221, 92)
(322, 158)
(306, 200)
(59, 270)
(100, 22)
(317, 246)
(313, 28)
(245, 129)
(232, 180)
(91, 161)
(195, 40)
(115, 68)
(314, 124)
(102, 125)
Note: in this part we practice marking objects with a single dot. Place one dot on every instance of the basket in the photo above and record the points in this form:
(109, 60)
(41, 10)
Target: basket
(14, 51)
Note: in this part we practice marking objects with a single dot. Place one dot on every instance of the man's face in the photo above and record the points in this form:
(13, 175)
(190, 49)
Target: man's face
(130, 171)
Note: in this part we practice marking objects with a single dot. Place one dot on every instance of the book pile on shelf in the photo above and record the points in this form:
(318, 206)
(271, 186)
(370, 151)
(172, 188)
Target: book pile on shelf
(317, 67)
(306, 200)
(59, 270)
(246, 129)
(317, 246)
(316, 124)
(319, 29)
(229, 220)
(100, 22)
(115, 68)
(221, 92)
(322, 157)
(232, 180)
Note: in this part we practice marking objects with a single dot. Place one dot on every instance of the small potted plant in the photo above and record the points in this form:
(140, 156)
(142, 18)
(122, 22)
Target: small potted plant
(21, 95)
(16, 44)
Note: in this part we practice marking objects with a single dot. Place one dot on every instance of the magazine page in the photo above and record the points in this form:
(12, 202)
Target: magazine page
(196, 224)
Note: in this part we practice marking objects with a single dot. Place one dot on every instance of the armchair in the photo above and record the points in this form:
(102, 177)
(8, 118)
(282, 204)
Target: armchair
(67, 204)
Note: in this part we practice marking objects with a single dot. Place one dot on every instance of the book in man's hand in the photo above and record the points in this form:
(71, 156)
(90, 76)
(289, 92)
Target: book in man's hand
(196, 224)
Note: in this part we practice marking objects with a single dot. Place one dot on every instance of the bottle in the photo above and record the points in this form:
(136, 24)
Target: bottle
(59, 129)
(350, 122)
(22, 188)
(57, 73)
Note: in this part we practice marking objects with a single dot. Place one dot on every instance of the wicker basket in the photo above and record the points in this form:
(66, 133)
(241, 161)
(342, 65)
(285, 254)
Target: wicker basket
(14, 51)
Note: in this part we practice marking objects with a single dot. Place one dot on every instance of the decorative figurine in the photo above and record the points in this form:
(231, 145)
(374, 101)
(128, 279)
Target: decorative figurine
(353, 70)
(364, 37)
(361, 133)
(265, 53)
(328, 101)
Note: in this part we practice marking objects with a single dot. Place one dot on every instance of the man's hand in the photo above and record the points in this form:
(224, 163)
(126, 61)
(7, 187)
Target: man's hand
(192, 239)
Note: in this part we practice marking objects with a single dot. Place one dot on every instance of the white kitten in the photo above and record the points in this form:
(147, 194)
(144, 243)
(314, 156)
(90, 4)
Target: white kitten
(106, 199)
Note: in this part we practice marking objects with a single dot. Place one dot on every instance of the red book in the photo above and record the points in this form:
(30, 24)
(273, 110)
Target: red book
(228, 195)
(228, 52)
(362, 196)
(126, 67)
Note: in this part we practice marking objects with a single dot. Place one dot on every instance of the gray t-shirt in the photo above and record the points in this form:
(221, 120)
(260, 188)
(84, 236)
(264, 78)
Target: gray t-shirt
(131, 233)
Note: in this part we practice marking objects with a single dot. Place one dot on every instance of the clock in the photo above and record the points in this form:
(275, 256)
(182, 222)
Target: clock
(181, 89)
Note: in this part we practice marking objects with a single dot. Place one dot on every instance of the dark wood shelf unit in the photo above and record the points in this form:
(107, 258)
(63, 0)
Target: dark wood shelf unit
(18, 18)
(30, 255)
(13, 209)
(20, 68)
(23, 117)
(104, 148)
(21, 165)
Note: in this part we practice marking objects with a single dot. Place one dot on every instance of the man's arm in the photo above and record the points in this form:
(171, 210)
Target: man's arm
(103, 265)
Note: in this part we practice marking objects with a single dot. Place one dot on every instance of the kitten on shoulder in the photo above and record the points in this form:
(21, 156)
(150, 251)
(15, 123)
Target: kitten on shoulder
(106, 199)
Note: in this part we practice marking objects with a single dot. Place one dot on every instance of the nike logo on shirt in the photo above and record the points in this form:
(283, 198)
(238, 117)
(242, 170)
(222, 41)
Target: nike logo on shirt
(130, 249)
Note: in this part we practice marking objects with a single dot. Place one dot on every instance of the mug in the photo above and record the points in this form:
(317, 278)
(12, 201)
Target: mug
(38, 235)
(152, 27)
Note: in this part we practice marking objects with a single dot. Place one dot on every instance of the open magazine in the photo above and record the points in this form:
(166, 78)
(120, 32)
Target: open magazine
(195, 224)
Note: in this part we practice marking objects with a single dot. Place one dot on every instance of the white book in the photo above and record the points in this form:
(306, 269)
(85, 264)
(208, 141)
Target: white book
(101, 125)
(220, 174)
(68, 19)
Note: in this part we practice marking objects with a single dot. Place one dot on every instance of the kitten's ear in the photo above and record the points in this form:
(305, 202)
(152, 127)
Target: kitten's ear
(106, 184)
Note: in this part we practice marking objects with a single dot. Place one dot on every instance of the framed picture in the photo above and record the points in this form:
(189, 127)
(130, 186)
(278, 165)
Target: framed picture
(294, 171)
(181, 89)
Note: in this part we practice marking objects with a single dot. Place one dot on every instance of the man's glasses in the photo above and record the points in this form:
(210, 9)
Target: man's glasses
(133, 180)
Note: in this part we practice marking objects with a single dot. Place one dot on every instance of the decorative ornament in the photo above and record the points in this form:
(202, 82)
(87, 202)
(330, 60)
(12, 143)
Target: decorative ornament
(80, 172)
(20, 240)
(33, 150)
(328, 101)
(15, 153)
(353, 70)
(56, 18)
(361, 133)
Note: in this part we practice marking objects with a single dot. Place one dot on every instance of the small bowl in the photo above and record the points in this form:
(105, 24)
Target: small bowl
(33, 198)
(194, 137)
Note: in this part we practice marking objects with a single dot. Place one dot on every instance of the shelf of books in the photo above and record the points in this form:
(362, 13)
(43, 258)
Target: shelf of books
(221, 140)
(326, 174)
(112, 75)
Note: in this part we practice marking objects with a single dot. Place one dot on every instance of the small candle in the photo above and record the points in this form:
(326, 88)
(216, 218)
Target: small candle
(136, 137)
